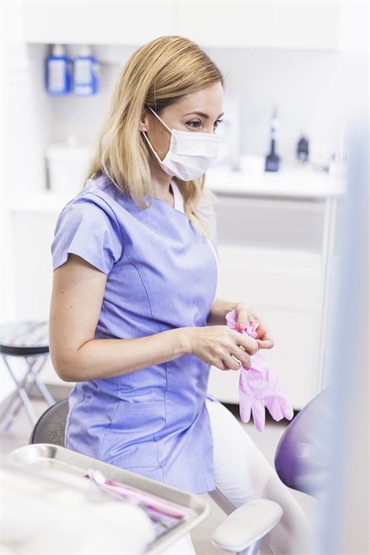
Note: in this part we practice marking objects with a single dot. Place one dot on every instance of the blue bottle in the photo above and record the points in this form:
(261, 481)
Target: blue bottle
(58, 72)
(85, 73)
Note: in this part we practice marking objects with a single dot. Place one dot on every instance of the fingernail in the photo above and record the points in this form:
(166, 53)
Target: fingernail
(240, 326)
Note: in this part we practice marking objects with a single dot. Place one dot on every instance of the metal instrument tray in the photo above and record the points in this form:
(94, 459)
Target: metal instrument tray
(194, 507)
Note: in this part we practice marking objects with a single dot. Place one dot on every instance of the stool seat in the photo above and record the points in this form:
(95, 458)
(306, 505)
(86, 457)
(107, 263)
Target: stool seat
(24, 338)
(28, 340)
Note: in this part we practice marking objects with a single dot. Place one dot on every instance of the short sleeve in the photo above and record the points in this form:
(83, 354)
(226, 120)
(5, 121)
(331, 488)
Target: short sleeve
(87, 227)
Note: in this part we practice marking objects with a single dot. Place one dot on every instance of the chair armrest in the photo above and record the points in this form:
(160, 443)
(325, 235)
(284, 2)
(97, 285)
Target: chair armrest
(246, 525)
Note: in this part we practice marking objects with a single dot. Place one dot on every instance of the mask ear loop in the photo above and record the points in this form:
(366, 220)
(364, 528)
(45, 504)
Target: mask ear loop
(150, 145)
(147, 138)
(157, 116)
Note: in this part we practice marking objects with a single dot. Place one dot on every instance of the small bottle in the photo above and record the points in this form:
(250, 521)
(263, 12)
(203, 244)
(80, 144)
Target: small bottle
(272, 160)
(58, 72)
(303, 149)
(85, 73)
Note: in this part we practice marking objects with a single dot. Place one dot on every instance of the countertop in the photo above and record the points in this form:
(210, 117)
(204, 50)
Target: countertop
(288, 183)
(292, 182)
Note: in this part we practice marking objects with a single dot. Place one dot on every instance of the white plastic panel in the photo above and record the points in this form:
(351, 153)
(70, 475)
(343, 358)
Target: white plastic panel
(255, 24)
(96, 22)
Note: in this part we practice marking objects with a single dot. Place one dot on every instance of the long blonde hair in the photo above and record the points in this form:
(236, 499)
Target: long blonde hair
(157, 75)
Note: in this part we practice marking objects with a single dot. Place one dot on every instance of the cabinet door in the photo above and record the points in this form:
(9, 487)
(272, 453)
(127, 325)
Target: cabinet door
(256, 24)
(284, 287)
(96, 22)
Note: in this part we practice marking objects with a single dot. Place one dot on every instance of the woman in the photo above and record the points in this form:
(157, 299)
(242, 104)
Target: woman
(134, 319)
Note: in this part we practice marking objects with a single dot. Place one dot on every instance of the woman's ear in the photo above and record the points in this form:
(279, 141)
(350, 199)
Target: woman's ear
(143, 126)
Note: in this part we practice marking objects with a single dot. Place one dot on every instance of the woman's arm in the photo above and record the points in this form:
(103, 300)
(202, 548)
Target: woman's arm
(78, 291)
(245, 314)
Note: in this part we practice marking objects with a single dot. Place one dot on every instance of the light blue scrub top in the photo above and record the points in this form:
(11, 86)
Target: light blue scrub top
(161, 275)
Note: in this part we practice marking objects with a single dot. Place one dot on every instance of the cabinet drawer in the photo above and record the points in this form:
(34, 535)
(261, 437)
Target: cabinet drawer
(270, 223)
(279, 279)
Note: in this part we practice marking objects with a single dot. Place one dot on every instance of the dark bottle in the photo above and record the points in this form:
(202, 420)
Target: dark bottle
(272, 159)
(303, 149)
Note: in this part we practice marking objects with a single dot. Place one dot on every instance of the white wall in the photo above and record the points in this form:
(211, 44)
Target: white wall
(316, 92)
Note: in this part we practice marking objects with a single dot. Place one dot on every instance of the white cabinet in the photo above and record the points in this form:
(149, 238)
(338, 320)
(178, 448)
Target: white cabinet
(98, 22)
(246, 24)
(256, 24)
(273, 254)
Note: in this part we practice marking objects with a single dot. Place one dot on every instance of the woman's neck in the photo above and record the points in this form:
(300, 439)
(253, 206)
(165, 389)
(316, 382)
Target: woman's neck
(161, 183)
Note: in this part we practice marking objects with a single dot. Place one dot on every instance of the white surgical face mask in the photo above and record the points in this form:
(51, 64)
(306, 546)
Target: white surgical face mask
(190, 154)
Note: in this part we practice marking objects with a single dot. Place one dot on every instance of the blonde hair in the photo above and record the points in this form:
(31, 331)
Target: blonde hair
(157, 75)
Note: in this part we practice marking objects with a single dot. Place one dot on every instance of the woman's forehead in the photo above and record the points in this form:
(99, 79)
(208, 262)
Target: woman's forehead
(208, 101)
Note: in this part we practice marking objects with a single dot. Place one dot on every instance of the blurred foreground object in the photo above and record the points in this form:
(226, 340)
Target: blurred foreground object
(324, 452)
(45, 511)
(345, 498)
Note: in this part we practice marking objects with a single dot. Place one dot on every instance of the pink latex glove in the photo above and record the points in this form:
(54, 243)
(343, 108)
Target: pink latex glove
(259, 385)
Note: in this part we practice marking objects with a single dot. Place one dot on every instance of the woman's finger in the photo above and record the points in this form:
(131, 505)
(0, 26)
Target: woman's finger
(265, 343)
(228, 362)
(247, 343)
(264, 338)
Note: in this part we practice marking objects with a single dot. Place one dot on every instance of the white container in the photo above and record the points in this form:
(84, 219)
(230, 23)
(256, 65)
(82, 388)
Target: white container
(67, 165)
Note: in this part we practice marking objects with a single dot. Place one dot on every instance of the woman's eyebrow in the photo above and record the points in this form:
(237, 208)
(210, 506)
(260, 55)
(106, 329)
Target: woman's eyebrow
(202, 114)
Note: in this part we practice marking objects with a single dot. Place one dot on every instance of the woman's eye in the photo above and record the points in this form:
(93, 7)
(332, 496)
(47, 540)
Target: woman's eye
(217, 123)
(194, 124)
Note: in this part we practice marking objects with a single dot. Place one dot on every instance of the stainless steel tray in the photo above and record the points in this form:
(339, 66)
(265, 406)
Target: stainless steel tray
(64, 460)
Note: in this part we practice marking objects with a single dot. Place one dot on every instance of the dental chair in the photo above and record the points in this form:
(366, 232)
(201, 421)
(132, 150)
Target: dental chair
(242, 530)
(302, 457)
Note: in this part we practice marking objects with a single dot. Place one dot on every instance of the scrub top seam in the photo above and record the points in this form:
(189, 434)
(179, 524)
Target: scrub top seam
(70, 411)
(155, 439)
(143, 283)
(111, 211)
(106, 429)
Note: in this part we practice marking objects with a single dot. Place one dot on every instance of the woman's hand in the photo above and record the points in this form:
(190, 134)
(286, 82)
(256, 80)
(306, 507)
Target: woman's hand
(247, 314)
(222, 347)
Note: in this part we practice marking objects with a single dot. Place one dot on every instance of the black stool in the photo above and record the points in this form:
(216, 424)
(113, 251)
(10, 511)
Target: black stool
(29, 341)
